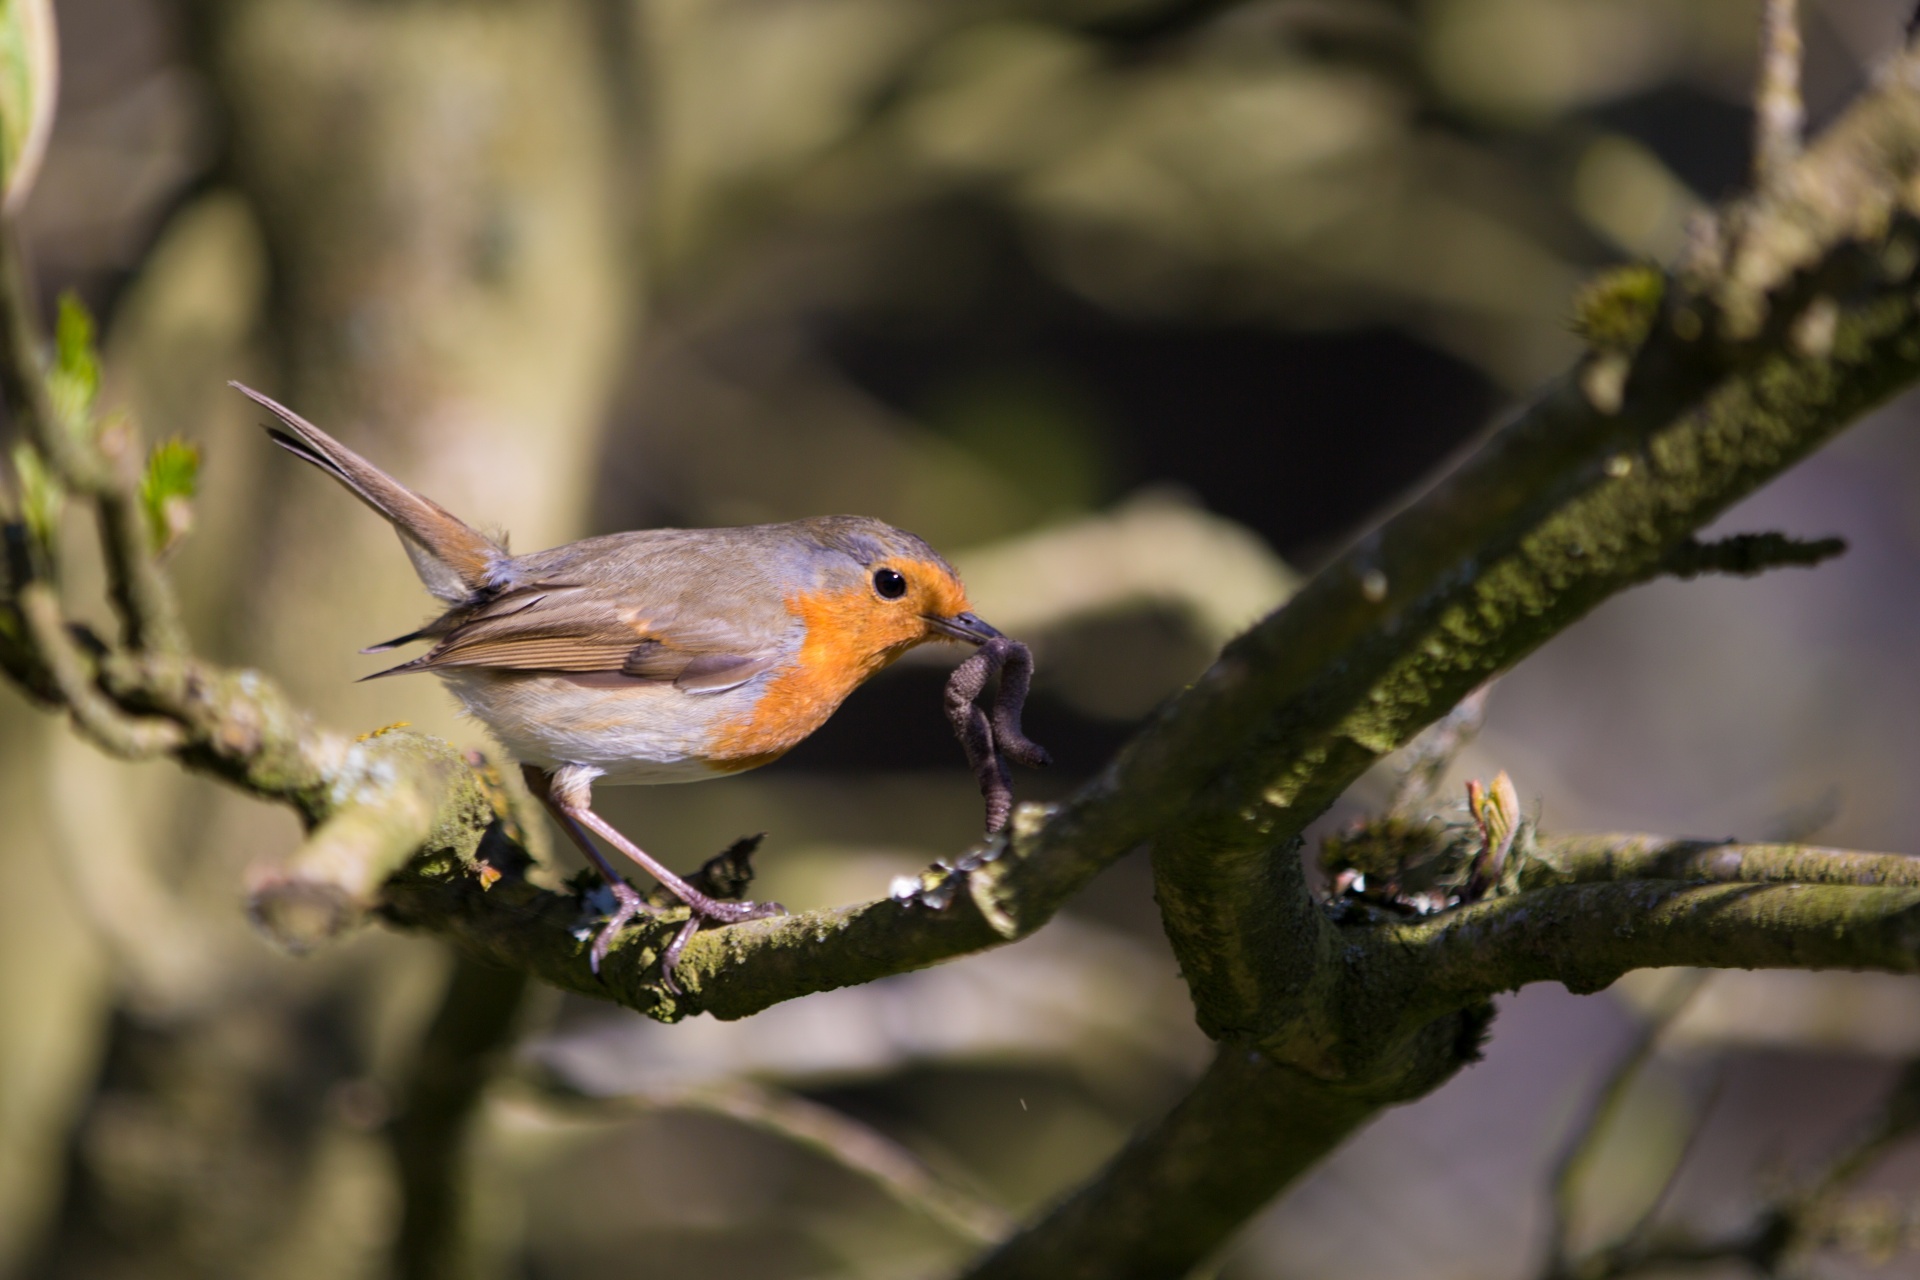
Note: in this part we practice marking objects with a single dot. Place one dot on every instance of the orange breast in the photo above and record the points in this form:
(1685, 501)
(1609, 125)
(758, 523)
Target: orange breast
(850, 635)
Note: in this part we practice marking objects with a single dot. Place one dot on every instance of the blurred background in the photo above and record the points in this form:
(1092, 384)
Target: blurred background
(1138, 309)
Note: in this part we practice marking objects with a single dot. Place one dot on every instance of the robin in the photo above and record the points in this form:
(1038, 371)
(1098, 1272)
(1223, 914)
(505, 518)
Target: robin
(668, 655)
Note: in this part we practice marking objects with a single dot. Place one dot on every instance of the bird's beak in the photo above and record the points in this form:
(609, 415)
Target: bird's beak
(963, 626)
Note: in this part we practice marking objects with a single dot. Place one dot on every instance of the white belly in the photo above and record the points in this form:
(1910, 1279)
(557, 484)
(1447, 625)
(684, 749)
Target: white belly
(639, 733)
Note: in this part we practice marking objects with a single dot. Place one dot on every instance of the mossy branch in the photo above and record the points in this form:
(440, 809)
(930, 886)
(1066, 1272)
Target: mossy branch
(1570, 503)
(1588, 859)
(1584, 936)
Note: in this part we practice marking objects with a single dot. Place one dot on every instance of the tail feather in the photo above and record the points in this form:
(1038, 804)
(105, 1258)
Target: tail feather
(453, 559)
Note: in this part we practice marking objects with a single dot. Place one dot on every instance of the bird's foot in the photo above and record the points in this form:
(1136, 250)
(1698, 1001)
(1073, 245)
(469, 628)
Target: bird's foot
(715, 912)
(630, 904)
(710, 911)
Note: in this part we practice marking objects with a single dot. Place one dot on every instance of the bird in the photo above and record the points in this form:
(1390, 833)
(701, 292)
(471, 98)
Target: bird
(665, 655)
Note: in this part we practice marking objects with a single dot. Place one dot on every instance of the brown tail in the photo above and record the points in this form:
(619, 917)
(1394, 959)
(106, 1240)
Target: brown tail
(453, 559)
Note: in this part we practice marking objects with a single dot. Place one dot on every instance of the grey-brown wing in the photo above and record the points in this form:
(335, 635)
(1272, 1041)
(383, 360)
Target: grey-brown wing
(703, 672)
(564, 627)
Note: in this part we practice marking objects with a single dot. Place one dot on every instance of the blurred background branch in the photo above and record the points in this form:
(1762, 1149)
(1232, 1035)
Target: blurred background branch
(1578, 1155)
(1779, 115)
(464, 1046)
(855, 1147)
(1822, 1211)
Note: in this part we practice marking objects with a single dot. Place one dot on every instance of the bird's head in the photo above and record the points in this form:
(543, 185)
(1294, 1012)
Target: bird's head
(881, 591)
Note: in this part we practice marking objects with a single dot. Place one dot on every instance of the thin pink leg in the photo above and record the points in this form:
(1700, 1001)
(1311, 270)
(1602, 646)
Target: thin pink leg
(570, 798)
(631, 904)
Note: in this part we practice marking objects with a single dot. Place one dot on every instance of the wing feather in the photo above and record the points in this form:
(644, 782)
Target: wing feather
(568, 628)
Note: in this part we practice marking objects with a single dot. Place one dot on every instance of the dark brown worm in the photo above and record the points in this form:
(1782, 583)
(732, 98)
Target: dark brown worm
(990, 741)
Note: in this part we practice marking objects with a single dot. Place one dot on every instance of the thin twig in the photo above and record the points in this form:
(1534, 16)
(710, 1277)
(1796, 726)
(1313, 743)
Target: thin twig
(1795, 1219)
(1897, 1119)
(1640, 1249)
(1791, 1224)
(23, 366)
(1615, 856)
(1779, 117)
(94, 714)
(856, 1147)
(1584, 1137)
(141, 594)
(1747, 554)
(105, 468)
(1697, 1127)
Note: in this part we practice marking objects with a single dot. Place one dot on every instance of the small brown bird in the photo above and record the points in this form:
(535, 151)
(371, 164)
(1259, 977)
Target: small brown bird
(670, 655)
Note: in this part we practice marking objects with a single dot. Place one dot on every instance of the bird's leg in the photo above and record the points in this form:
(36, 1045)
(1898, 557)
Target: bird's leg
(572, 797)
(539, 783)
(630, 902)
(712, 910)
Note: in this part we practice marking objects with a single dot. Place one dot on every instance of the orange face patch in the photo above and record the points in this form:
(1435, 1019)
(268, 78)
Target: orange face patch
(851, 634)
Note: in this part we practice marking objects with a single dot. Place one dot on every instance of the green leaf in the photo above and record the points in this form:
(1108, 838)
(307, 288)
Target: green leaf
(74, 381)
(166, 492)
(41, 496)
(1616, 310)
(29, 82)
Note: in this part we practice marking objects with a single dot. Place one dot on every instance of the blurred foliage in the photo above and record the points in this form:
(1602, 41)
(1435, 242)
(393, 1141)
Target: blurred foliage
(74, 379)
(1616, 309)
(28, 75)
(41, 498)
(167, 487)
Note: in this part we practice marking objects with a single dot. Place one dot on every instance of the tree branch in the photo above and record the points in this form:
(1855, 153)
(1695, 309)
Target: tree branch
(1586, 859)
(335, 878)
(100, 463)
(1565, 506)
(68, 670)
(1586, 935)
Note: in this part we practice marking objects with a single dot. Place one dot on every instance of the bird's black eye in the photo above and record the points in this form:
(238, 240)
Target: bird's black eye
(889, 584)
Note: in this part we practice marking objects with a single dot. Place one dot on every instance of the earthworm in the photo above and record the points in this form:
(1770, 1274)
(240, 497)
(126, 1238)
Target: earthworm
(991, 740)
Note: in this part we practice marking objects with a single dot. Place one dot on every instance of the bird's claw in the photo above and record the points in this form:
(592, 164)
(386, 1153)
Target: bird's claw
(712, 911)
(704, 911)
(631, 905)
